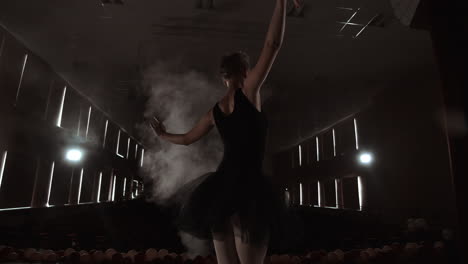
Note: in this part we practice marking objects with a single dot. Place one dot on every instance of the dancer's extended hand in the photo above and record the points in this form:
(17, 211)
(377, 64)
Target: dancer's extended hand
(157, 126)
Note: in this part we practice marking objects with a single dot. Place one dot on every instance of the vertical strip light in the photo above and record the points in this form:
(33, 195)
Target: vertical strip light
(87, 123)
(113, 187)
(2, 166)
(62, 103)
(334, 143)
(105, 134)
(318, 149)
(111, 183)
(79, 186)
(360, 192)
(336, 193)
(300, 193)
(49, 187)
(142, 157)
(118, 144)
(99, 187)
(25, 60)
(319, 192)
(128, 147)
(136, 189)
(125, 186)
(136, 151)
(356, 133)
(300, 155)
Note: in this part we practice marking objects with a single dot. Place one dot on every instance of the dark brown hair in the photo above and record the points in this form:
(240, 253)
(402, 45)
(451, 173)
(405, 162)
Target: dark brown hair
(234, 64)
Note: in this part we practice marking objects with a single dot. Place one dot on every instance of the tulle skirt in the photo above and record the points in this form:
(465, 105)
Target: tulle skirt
(208, 203)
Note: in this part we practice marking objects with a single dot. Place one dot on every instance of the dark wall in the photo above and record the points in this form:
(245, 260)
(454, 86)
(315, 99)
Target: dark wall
(41, 117)
(398, 111)
(403, 128)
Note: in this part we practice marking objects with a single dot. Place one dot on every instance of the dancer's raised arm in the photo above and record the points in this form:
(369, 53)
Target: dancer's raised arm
(203, 126)
(273, 42)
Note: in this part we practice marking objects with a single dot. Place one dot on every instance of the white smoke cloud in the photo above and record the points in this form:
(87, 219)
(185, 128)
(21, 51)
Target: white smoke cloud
(179, 99)
(196, 247)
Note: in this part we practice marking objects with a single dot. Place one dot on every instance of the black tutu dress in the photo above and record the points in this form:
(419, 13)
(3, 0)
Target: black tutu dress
(238, 186)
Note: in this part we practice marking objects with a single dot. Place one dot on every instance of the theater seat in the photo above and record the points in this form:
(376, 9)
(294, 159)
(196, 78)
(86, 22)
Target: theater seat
(68, 252)
(98, 257)
(162, 253)
(85, 258)
(12, 256)
(131, 254)
(151, 254)
(53, 258)
(140, 258)
(117, 258)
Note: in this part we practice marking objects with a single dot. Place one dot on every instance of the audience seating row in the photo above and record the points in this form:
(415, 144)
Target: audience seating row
(395, 253)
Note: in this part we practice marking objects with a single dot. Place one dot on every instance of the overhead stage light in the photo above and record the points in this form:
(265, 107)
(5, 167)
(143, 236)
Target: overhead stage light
(74, 155)
(366, 158)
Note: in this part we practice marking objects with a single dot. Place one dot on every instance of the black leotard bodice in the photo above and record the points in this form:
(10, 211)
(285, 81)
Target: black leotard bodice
(243, 133)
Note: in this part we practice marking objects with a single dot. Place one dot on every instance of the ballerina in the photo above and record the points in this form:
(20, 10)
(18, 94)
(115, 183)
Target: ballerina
(236, 206)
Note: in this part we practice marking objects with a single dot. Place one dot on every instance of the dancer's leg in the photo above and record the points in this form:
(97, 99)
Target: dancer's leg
(248, 253)
(225, 246)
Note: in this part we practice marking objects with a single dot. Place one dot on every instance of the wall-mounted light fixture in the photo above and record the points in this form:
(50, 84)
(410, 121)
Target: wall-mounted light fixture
(74, 155)
(366, 158)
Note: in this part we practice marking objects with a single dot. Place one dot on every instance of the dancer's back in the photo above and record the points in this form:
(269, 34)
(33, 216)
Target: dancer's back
(243, 133)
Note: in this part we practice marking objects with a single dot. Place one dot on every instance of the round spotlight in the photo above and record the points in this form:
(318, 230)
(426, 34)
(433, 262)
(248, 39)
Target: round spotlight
(365, 158)
(74, 155)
